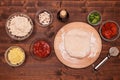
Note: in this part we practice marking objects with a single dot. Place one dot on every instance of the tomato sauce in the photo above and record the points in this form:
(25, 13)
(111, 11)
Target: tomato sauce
(41, 49)
(109, 30)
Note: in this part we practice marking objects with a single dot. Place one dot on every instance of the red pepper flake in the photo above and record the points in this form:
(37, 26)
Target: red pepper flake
(109, 30)
(41, 49)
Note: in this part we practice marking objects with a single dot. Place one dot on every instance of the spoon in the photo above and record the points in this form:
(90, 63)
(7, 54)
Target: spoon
(113, 51)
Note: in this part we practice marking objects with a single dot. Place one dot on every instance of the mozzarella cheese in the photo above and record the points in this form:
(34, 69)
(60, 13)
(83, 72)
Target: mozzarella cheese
(16, 56)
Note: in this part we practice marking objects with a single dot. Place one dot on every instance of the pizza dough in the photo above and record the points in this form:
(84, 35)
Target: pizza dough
(77, 43)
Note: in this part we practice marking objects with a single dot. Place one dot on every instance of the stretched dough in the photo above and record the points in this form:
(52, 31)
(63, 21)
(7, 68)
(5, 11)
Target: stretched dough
(77, 43)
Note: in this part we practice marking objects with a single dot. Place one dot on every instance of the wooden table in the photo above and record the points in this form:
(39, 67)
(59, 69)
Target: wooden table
(52, 68)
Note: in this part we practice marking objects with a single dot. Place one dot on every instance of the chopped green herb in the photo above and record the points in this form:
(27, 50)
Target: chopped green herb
(94, 18)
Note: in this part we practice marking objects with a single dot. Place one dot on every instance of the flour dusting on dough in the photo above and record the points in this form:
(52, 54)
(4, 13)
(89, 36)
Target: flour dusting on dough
(63, 51)
(67, 57)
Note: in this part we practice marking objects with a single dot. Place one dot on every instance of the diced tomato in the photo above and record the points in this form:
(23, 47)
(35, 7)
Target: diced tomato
(41, 49)
(109, 30)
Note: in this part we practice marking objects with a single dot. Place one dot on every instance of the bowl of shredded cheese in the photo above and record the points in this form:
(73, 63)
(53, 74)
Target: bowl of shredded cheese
(14, 56)
(19, 26)
(44, 18)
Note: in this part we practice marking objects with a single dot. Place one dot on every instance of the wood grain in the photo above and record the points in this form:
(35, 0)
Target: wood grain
(51, 68)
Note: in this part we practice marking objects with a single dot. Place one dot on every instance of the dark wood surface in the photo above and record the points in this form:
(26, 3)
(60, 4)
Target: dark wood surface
(51, 68)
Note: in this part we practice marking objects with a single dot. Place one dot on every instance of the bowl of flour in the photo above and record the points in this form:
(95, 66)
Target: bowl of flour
(19, 26)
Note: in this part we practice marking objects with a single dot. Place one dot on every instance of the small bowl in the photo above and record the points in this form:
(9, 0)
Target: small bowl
(6, 56)
(115, 37)
(18, 37)
(37, 18)
(98, 21)
(36, 56)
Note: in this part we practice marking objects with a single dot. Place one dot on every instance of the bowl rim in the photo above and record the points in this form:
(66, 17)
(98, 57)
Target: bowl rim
(6, 56)
(97, 22)
(40, 11)
(13, 36)
(109, 40)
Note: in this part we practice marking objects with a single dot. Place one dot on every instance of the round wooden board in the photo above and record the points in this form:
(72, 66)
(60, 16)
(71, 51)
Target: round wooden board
(64, 57)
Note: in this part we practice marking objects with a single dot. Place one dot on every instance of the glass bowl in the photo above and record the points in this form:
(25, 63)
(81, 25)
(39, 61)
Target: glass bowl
(41, 12)
(19, 38)
(90, 15)
(113, 38)
(36, 56)
(6, 56)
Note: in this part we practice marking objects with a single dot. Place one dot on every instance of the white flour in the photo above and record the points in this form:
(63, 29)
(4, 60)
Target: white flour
(19, 26)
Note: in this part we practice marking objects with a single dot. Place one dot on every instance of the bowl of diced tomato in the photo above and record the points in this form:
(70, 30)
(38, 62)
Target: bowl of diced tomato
(40, 49)
(109, 30)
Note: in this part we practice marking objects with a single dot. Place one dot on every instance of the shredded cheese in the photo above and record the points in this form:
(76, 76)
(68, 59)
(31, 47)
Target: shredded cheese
(16, 56)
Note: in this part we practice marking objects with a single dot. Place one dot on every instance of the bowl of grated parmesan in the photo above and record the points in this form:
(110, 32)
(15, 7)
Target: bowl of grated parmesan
(19, 26)
(14, 56)
(44, 18)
